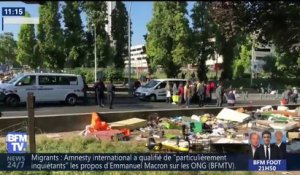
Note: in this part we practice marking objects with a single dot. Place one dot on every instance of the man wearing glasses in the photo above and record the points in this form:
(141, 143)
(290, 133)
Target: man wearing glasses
(267, 151)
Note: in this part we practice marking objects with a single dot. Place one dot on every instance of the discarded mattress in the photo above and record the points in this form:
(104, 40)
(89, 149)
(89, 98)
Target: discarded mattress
(227, 140)
(133, 123)
(283, 126)
(231, 115)
(110, 135)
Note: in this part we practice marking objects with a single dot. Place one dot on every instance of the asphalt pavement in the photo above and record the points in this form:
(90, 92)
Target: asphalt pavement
(124, 104)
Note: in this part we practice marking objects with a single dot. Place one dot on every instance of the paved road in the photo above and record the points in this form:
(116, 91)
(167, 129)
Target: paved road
(121, 104)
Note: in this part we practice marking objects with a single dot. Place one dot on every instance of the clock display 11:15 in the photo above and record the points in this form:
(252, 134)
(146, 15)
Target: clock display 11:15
(13, 11)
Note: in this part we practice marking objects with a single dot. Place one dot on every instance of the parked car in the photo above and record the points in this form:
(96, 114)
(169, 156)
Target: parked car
(155, 89)
(46, 87)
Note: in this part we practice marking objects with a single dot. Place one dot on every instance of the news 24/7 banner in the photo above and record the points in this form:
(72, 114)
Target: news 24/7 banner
(18, 160)
(123, 162)
(143, 162)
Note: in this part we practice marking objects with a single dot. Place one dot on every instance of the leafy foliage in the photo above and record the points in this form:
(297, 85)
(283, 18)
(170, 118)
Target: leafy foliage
(73, 34)
(168, 37)
(204, 30)
(271, 21)
(96, 15)
(26, 45)
(112, 73)
(50, 36)
(8, 48)
(119, 30)
(243, 62)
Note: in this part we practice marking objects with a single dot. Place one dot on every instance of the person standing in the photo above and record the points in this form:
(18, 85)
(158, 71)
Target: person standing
(99, 92)
(181, 94)
(230, 98)
(174, 92)
(294, 95)
(211, 88)
(110, 93)
(201, 89)
(287, 95)
(219, 94)
(168, 93)
(208, 97)
(187, 94)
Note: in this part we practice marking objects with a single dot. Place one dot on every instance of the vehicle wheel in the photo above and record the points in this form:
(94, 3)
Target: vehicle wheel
(71, 100)
(12, 100)
(152, 98)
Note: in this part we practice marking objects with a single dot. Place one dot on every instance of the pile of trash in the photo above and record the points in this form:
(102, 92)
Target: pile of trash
(196, 132)
(101, 130)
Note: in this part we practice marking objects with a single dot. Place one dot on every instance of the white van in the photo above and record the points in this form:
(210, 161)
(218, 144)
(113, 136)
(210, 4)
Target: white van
(155, 89)
(46, 87)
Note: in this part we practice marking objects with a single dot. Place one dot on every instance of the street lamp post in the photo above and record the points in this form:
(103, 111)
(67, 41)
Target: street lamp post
(252, 61)
(129, 44)
(95, 51)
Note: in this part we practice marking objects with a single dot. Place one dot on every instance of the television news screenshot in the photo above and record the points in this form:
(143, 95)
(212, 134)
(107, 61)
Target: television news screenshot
(149, 87)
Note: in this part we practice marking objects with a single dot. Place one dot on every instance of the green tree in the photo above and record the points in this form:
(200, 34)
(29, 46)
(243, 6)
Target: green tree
(50, 36)
(270, 66)
(8, 47)
(225, 14)
(204, 30)
(96, 15)
(26, 44)
(119, 30)
(269, 20)
(243, 61)
(74, 35)
(168, 37)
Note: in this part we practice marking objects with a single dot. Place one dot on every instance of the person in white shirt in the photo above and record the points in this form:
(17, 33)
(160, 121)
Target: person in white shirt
(168, 93)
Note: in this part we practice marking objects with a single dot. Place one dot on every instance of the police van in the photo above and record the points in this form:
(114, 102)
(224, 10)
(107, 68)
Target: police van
(156, 89)
(46, 87)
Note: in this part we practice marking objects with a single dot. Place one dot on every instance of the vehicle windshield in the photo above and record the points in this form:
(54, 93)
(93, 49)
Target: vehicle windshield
(151, 84)
(12, 81)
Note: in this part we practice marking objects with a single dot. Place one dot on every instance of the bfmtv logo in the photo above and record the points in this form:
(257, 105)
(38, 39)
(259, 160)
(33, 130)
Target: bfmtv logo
(16, 142)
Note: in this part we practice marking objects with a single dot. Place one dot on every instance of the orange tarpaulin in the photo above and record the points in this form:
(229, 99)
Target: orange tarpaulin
(98, 125)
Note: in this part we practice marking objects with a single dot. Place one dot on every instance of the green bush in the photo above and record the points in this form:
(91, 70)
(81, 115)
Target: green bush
(88, 73)
(111, 73)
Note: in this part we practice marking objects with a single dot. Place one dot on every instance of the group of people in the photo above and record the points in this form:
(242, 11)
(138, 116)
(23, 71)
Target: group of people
(99, 91)
(291, 95)
(189, 92)
(266, 150)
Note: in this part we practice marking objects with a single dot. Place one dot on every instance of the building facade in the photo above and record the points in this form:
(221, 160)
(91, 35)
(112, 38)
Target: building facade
(138, 58)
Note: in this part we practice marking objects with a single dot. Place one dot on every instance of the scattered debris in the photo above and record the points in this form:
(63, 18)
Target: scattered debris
(231, 115)
(133, 123)
(196, 132)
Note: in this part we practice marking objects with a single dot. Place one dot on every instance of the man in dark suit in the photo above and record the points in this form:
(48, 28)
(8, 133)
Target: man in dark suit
(281, 145)
(267, 151)
(254, 144)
